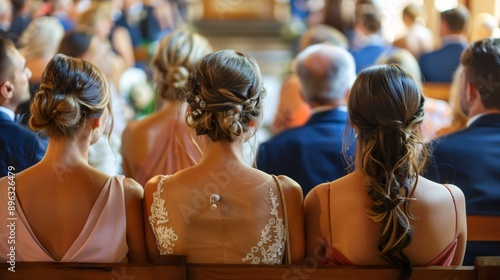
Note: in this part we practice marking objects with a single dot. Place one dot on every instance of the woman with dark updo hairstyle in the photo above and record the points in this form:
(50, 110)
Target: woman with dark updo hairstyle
(68, 211)
(384, 213)
(222, 210)
(162, 143)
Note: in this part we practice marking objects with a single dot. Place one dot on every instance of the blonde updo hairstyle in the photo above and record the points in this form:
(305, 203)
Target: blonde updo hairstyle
(71, 91)
(386, 106)
(175, 58)
(225, 94)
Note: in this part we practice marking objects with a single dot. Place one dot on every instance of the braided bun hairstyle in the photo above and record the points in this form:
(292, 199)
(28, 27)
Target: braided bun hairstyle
(225, 94)
(175, 57)
(386, 106)
(71, 91)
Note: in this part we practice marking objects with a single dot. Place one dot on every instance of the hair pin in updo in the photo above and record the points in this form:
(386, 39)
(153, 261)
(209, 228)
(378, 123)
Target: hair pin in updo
(200, 102)
(197, 112)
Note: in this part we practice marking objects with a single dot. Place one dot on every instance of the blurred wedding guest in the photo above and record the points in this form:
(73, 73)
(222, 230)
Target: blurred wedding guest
(437, 112)
(418, 38)
(470, 157)
(21, 147)
(483, 25)
(65, 12)
(439, 65)
(293, 110)
(5, 17)
(368, 43)
(98, 217)
(162, 143)
(384, 212)
(312, 154)
(221, 210)
(38, 44)
(22, 13)
(458, 116)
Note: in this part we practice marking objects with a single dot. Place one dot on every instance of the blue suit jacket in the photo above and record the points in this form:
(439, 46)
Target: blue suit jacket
(311, 154)
(470, 159)
(19, 146)
(368, 55)
(440, 65)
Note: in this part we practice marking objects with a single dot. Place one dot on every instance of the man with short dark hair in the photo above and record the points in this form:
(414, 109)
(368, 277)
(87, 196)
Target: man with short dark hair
(20, 148)
(470, 158)
(312, 154)
(368, 43)
(439, 65)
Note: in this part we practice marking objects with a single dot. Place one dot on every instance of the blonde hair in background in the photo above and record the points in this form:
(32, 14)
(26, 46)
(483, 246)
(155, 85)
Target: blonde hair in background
(91, 18)
(41, 38)
(404, 59)
(174, 59)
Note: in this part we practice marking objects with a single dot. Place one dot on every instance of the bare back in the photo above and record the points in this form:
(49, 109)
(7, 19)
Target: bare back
(158, 144)
(345, 225)
(52, 196)
(250, 209)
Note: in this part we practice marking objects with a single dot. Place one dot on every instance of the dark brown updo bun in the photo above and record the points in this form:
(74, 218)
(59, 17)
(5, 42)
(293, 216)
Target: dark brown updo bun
(225, 94)
(71, 91)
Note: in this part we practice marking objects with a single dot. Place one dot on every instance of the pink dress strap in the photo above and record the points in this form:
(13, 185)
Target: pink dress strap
(446, 257)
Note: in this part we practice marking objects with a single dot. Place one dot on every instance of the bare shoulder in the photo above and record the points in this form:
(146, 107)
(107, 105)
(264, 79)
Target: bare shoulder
(316, 195)
(152, 184)
(129, 131)
(458, 194)
(132, 188)
(290, 186)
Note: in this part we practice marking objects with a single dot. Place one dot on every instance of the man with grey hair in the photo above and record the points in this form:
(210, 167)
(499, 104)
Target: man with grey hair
(312, 154)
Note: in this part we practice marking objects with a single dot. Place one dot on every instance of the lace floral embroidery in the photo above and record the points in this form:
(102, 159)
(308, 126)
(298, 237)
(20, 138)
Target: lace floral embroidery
(165, 236)
(269, 249)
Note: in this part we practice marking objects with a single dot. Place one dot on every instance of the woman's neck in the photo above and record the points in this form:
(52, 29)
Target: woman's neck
(68, 152)
(221, 150)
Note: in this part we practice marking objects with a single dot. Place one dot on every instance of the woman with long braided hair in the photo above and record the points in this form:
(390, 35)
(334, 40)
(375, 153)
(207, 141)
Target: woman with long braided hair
(384, 213)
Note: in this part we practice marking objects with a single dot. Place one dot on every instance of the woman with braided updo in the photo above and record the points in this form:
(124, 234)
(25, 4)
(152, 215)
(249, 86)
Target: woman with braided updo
(162, 143)
(67, 210)
(384, 213)
(222, 210)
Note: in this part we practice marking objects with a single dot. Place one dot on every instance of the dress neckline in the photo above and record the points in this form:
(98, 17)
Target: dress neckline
(80, 236)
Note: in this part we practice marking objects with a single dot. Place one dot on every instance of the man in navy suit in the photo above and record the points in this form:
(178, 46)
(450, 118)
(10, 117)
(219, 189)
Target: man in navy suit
(368, 43)
(312, 154)
(470, 158)
(20, 147)
(439, 65)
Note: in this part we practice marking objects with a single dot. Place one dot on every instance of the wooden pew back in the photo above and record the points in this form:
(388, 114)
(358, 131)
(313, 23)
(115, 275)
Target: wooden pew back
(437, 90)
(483, 228)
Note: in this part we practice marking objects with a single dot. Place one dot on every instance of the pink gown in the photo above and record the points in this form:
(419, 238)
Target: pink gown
(173, 151)
(103, 238)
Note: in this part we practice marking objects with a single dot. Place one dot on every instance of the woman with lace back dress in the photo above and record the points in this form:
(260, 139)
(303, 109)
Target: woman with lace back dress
(66, 210)
(384, 213)
(162, 143)
(222, 210)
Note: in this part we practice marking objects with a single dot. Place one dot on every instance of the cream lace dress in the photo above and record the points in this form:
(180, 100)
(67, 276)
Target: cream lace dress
(241, 227)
